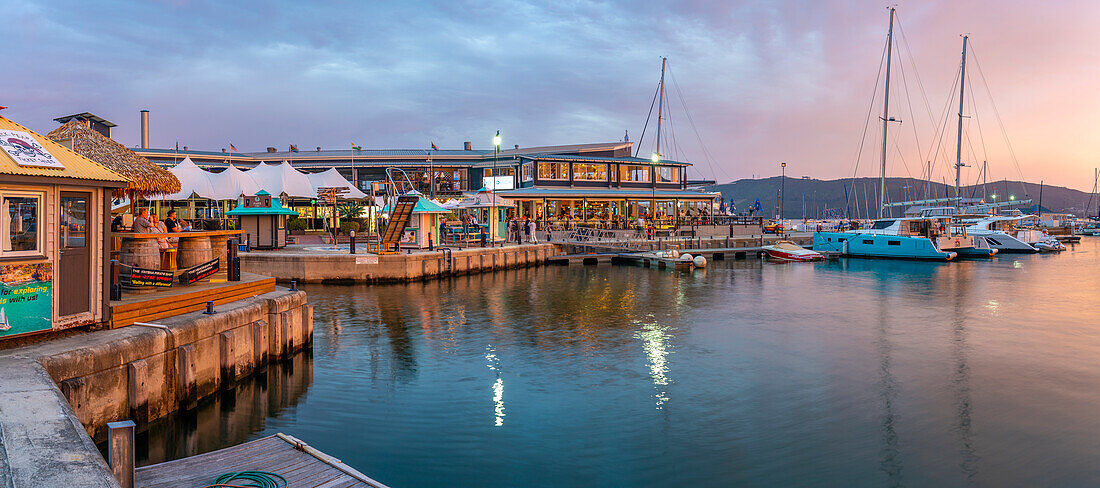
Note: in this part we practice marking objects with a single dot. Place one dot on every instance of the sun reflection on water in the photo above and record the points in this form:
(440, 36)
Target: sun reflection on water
(498, 387)
(655, 342)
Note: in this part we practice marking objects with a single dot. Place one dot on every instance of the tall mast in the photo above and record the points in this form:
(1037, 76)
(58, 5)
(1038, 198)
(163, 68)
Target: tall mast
(885, 115)
(959, 146)
(661, 106)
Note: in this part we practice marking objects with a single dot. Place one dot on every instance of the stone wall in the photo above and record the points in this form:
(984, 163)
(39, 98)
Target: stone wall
(145, 372)
(320, 267)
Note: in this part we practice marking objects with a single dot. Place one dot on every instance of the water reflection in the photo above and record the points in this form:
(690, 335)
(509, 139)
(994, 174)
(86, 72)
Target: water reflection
(846, 373)
(229, 417)
(497, 388)
(656, 343)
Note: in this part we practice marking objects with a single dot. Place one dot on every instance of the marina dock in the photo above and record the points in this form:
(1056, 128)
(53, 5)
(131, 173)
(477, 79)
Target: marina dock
(281, 454)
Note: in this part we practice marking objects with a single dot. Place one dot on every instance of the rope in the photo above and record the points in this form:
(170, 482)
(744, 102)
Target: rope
(259, 479)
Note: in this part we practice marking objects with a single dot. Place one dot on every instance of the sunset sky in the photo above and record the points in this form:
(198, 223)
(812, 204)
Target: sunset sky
(764, 82)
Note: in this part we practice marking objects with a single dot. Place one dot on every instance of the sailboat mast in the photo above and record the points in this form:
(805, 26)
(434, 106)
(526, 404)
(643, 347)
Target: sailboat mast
(959, 144)
(885, 116)
(661, 106)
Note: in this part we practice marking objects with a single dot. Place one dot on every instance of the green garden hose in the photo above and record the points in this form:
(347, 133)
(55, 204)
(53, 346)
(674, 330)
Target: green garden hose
(256, 479)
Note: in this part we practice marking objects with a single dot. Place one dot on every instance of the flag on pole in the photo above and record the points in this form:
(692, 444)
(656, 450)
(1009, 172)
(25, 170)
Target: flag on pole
(232, 147)
(434, 147)
(355, 147)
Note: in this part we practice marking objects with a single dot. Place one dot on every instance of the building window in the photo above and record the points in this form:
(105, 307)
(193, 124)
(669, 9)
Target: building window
(528, 171)
(589, 171)
(553, 171)
(635, 173)
(668, 174)
(20, 213)
(509, 171)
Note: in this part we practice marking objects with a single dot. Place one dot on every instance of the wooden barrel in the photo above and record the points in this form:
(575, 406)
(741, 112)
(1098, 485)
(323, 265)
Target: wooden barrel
(193, 251)
(140, 253)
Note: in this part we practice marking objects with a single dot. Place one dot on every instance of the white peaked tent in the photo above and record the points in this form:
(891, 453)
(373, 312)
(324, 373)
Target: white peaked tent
(232, 183)
(193, 180)
(333, 179)
(281, 178)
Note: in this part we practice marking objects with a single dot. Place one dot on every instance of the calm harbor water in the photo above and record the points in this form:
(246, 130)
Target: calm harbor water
(849, 373)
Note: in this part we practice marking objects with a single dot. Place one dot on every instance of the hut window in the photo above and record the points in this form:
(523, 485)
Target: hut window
(19, 230)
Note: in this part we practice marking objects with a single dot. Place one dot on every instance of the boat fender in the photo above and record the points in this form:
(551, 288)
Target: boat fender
(699, 262)
(686, 257)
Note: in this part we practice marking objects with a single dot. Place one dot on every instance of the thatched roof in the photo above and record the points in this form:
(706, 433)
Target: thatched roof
(145, 178)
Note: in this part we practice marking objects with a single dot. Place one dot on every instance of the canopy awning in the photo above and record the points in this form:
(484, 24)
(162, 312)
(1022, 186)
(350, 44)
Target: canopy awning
(331, 178)
(232, 183)
(193, 181)
(281, 178)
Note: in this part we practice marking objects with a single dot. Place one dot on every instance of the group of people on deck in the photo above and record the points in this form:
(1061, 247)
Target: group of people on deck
(150, 223)
(522, 230)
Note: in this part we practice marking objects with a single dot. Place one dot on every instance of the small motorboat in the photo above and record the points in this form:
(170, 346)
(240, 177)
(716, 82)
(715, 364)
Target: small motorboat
(789, 251)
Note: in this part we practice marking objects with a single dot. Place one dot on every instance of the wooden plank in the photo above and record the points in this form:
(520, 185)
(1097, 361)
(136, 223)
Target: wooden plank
(299, 463)
(135, 302)
(170, 305)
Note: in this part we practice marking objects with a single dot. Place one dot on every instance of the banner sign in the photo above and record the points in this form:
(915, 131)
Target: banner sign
(26, 151)
(26, 298)
(146, 277)
(204, 270)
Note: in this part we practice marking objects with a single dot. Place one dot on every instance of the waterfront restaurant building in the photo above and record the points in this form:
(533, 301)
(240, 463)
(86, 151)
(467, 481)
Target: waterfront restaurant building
(593, 184)
(54, 220)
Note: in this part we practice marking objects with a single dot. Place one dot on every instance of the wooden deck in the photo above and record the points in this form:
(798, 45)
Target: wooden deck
(169, 302)
(301, 465)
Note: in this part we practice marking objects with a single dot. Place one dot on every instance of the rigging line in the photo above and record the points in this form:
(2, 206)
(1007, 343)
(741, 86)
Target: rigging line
(934, 156)
(977, 120)
(997, 113)
(867, 122)
(909, 101)
(706, 152)
(916, 72)
(647, 117)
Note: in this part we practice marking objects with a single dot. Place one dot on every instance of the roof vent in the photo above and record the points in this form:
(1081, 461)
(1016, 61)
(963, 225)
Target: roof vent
(270, 149)
(517, 147)
(469, 146)
(318, 148)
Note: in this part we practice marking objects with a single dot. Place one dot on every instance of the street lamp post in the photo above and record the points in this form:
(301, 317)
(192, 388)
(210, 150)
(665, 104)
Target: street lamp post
(782, 188)
(496, 154)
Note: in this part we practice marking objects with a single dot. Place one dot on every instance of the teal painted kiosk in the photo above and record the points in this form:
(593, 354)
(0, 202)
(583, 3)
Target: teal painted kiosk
(263, 220)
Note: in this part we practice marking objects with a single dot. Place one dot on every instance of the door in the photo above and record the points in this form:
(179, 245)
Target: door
(74, 280)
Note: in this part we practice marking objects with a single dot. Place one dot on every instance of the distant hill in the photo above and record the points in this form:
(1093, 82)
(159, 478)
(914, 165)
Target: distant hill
(822, 195)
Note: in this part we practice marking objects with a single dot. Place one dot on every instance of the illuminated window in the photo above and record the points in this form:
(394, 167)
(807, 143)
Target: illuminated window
(589, 171)
(635, 173)
(528, 171)
(553, 171)
(20, 215)
(668, 174)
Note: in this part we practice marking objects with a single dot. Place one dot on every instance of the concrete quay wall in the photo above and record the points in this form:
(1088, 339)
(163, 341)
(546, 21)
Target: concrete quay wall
(686, 244)
(139, 373)
(320, 267)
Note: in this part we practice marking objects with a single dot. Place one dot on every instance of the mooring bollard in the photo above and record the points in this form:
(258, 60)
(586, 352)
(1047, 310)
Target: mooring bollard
(210, 308)
(351, 241)
(293, 285)
(120, 451)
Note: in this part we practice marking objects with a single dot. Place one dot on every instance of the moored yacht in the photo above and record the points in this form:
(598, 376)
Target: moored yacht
(905, 238)
(1000, 232)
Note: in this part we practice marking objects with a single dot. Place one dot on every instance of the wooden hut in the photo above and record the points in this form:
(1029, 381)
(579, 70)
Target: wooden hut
(263, 220)
(144, 177)
(54, 221)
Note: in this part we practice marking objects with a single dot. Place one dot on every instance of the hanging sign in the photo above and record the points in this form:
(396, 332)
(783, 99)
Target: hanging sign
(204, 270)
(26, 298)
(146, 277)
(26, 151)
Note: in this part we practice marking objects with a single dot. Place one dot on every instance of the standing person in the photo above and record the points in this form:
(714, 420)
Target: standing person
(531, 236)
(527, 230)
(141, 221)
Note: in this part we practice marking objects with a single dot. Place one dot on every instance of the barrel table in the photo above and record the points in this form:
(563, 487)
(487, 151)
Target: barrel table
(193, 248)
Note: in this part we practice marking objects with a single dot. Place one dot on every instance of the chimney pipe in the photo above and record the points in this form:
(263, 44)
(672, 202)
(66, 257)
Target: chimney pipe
(145, 129)
(469, 146)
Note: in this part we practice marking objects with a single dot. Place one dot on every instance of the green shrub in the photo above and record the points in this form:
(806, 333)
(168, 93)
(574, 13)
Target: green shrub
(346, 227)
(350, 210)
(295, 223)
